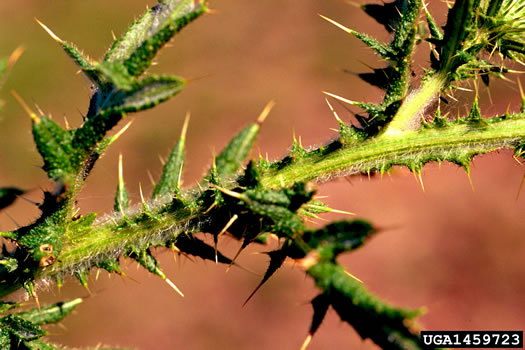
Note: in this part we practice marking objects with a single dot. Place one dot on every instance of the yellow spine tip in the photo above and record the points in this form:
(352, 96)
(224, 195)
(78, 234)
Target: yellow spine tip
(266, 111)
(337, 24)
(26, 108)
(354, 277)
(120, 171)
(172, 285)
(421, 181)
(15, 55)
(51, 34)
(341, 212)
(121, 131)
(142, 196)
(333, 110)
(226, 191)
(306, 342)
(185, 127)
(342, 99)
(228, 225)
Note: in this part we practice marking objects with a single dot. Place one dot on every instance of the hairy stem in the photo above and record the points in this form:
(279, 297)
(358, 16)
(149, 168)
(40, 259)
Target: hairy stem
(411, 111)
(457, 143)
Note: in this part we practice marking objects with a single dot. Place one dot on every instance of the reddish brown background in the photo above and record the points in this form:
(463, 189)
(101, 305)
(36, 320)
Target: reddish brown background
(456, 251)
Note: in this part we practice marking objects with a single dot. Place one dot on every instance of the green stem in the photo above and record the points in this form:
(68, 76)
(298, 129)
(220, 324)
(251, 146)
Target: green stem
(409, 114)
(457, 143)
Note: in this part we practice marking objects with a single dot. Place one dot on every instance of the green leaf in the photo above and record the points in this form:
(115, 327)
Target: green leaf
(50, 314)
(42, 345)
(146, 260)
(170, 181)
(229, 161)
(142, 95)
(144, 38)
(456, 30)
(21, 328)
(338, 237)
(405, 31)
(388, 326)
(84, 63)
(121, 196)
(55, 146)
(381, 49)
(435, 32)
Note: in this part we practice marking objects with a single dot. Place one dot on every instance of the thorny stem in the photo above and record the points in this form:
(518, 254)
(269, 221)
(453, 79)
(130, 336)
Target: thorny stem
(385, 150)
(103, 241)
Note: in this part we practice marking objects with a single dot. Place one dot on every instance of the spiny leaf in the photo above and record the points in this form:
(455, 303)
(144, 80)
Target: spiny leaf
(55, 146)
(53, 143)
(82, 277)
(20, 328)
(84, 63)
(338, 237)
(148, 261)
(121, 197)
(144, 94)
(405, 32)
(169, 19)
(157, 24)
(387, 326)
(229, 161)
(456, 30)
(110, 266)
(381, 49)
(475, 114)
(435, 32)
(372, 109)
(50, 314)
(170, 180)
(113, 76)
(39, 344)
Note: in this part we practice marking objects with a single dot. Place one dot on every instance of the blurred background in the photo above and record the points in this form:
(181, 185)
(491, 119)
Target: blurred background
(456, 251)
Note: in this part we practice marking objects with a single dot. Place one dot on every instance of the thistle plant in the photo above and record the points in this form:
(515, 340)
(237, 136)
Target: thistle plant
(256, 200)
